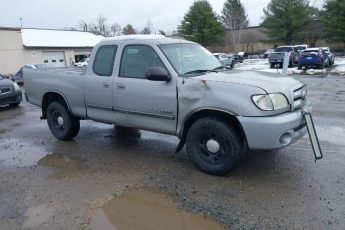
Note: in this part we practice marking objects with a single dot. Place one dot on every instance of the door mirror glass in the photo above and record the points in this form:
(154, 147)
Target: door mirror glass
(157, 74)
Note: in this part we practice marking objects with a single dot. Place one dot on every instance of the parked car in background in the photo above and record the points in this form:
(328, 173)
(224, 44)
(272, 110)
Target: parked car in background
(18, 76)
(313, 57)
(225, 59)
(237, 58)
(298, 50)
(242, 54)
(83, 62)
(267, 53)
(277, 57)
(330, 55)
(10, 92)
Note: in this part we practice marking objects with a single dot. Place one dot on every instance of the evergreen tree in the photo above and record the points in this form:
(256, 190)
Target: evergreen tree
(334, 20)
(285, 20)
(200, 24)
(234, 15)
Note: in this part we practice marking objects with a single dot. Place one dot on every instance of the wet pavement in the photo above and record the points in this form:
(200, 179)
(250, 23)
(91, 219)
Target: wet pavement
(92, 181)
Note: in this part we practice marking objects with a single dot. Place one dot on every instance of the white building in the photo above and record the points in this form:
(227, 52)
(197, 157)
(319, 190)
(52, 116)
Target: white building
(58, 48)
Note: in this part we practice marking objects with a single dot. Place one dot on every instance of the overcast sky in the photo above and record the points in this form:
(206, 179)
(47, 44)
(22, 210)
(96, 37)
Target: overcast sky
(56, 14)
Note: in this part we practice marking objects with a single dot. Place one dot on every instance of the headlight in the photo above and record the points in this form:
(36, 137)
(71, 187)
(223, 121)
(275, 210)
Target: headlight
(16, 86)
(270, 102)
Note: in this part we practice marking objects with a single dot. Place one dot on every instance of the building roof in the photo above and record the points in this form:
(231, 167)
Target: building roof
(59, 38)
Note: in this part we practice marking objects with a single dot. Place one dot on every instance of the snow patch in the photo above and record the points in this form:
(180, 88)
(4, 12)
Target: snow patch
(58, 38)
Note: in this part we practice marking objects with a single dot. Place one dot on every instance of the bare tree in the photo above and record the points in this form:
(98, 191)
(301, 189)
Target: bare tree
(101, 25)
(82, 25)
(234, 17)
(115, 29)
(148, 28)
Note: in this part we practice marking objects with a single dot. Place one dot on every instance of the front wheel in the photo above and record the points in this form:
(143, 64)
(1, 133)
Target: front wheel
(213, 146)
(61, 123)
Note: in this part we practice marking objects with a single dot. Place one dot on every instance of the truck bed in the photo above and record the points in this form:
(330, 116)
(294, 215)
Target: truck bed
(68, 82)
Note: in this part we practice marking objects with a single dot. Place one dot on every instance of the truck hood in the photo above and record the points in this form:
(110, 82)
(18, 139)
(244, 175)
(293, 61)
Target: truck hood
(271, 83)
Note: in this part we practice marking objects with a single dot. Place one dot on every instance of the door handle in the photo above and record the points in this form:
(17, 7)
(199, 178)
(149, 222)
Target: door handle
(106, 85)
(120, 86)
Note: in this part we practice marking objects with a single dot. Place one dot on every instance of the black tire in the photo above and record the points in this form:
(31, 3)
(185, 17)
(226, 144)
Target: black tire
(299, 67)
(14, 104)
(271, 65)
(322, 65)
(232, 65)
(229, 142)
(70, 125)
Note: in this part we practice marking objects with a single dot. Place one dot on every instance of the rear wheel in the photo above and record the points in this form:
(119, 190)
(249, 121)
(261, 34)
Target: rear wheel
(213, 146)
(62, 124)
(299, 67)
(271, 65)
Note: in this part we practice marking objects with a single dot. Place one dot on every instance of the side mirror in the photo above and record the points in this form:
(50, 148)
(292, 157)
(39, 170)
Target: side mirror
(157, 74)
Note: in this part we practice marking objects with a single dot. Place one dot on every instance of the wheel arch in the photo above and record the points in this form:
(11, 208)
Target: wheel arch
(227, 116)
(53, 96)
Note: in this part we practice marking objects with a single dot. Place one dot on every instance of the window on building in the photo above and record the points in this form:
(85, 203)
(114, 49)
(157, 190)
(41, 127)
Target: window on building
(104, 60)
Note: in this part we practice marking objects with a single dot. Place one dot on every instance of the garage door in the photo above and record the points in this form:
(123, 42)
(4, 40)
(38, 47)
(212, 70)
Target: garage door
(56, 59)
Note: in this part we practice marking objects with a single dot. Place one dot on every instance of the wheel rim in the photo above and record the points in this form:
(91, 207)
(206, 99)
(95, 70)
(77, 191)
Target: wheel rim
(58, 120)
(212, 148)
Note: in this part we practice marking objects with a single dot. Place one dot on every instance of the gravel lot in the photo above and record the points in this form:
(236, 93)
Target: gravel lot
(49, 184)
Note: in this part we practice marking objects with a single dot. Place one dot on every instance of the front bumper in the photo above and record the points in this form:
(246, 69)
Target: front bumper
(11, 98)
(273, 132)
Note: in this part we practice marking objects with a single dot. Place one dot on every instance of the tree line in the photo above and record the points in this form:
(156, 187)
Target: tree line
(100, 26)
(284, 22)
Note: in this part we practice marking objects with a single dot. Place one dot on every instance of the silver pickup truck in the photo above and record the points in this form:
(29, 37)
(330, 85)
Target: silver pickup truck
(173, 87)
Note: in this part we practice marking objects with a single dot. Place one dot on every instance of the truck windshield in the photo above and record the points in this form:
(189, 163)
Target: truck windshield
(190, 58)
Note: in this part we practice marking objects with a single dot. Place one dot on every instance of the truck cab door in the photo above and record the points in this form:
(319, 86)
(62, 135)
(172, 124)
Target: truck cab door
(142, 103)
(99, 85)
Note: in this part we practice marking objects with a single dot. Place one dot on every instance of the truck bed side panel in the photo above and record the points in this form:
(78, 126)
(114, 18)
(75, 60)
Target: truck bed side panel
(68, 82)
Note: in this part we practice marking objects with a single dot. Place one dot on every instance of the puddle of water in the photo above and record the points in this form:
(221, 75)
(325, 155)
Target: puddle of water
(146, 210)
(65, 165)
(335, 135)
(36, 216)
(15, 152)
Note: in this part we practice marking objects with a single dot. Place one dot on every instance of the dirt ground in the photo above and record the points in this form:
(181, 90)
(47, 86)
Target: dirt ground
(49, 184)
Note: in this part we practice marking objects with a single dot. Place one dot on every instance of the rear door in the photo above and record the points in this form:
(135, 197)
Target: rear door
(99, 85)
(141, 103)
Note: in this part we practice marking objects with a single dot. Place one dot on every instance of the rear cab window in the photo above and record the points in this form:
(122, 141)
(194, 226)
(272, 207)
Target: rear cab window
(104, 60)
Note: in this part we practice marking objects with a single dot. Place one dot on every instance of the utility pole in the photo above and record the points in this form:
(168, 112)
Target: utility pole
(21, 22)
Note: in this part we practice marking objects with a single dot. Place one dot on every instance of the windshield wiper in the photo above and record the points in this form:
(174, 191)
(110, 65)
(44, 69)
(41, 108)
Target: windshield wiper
(201, 71)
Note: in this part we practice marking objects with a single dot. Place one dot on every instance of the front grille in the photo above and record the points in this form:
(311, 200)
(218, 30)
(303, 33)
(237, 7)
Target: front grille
(299, 96)
(5, 90)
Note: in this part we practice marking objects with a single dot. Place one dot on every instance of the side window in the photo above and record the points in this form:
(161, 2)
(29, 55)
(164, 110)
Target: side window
(104, 60)
(135, 60)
